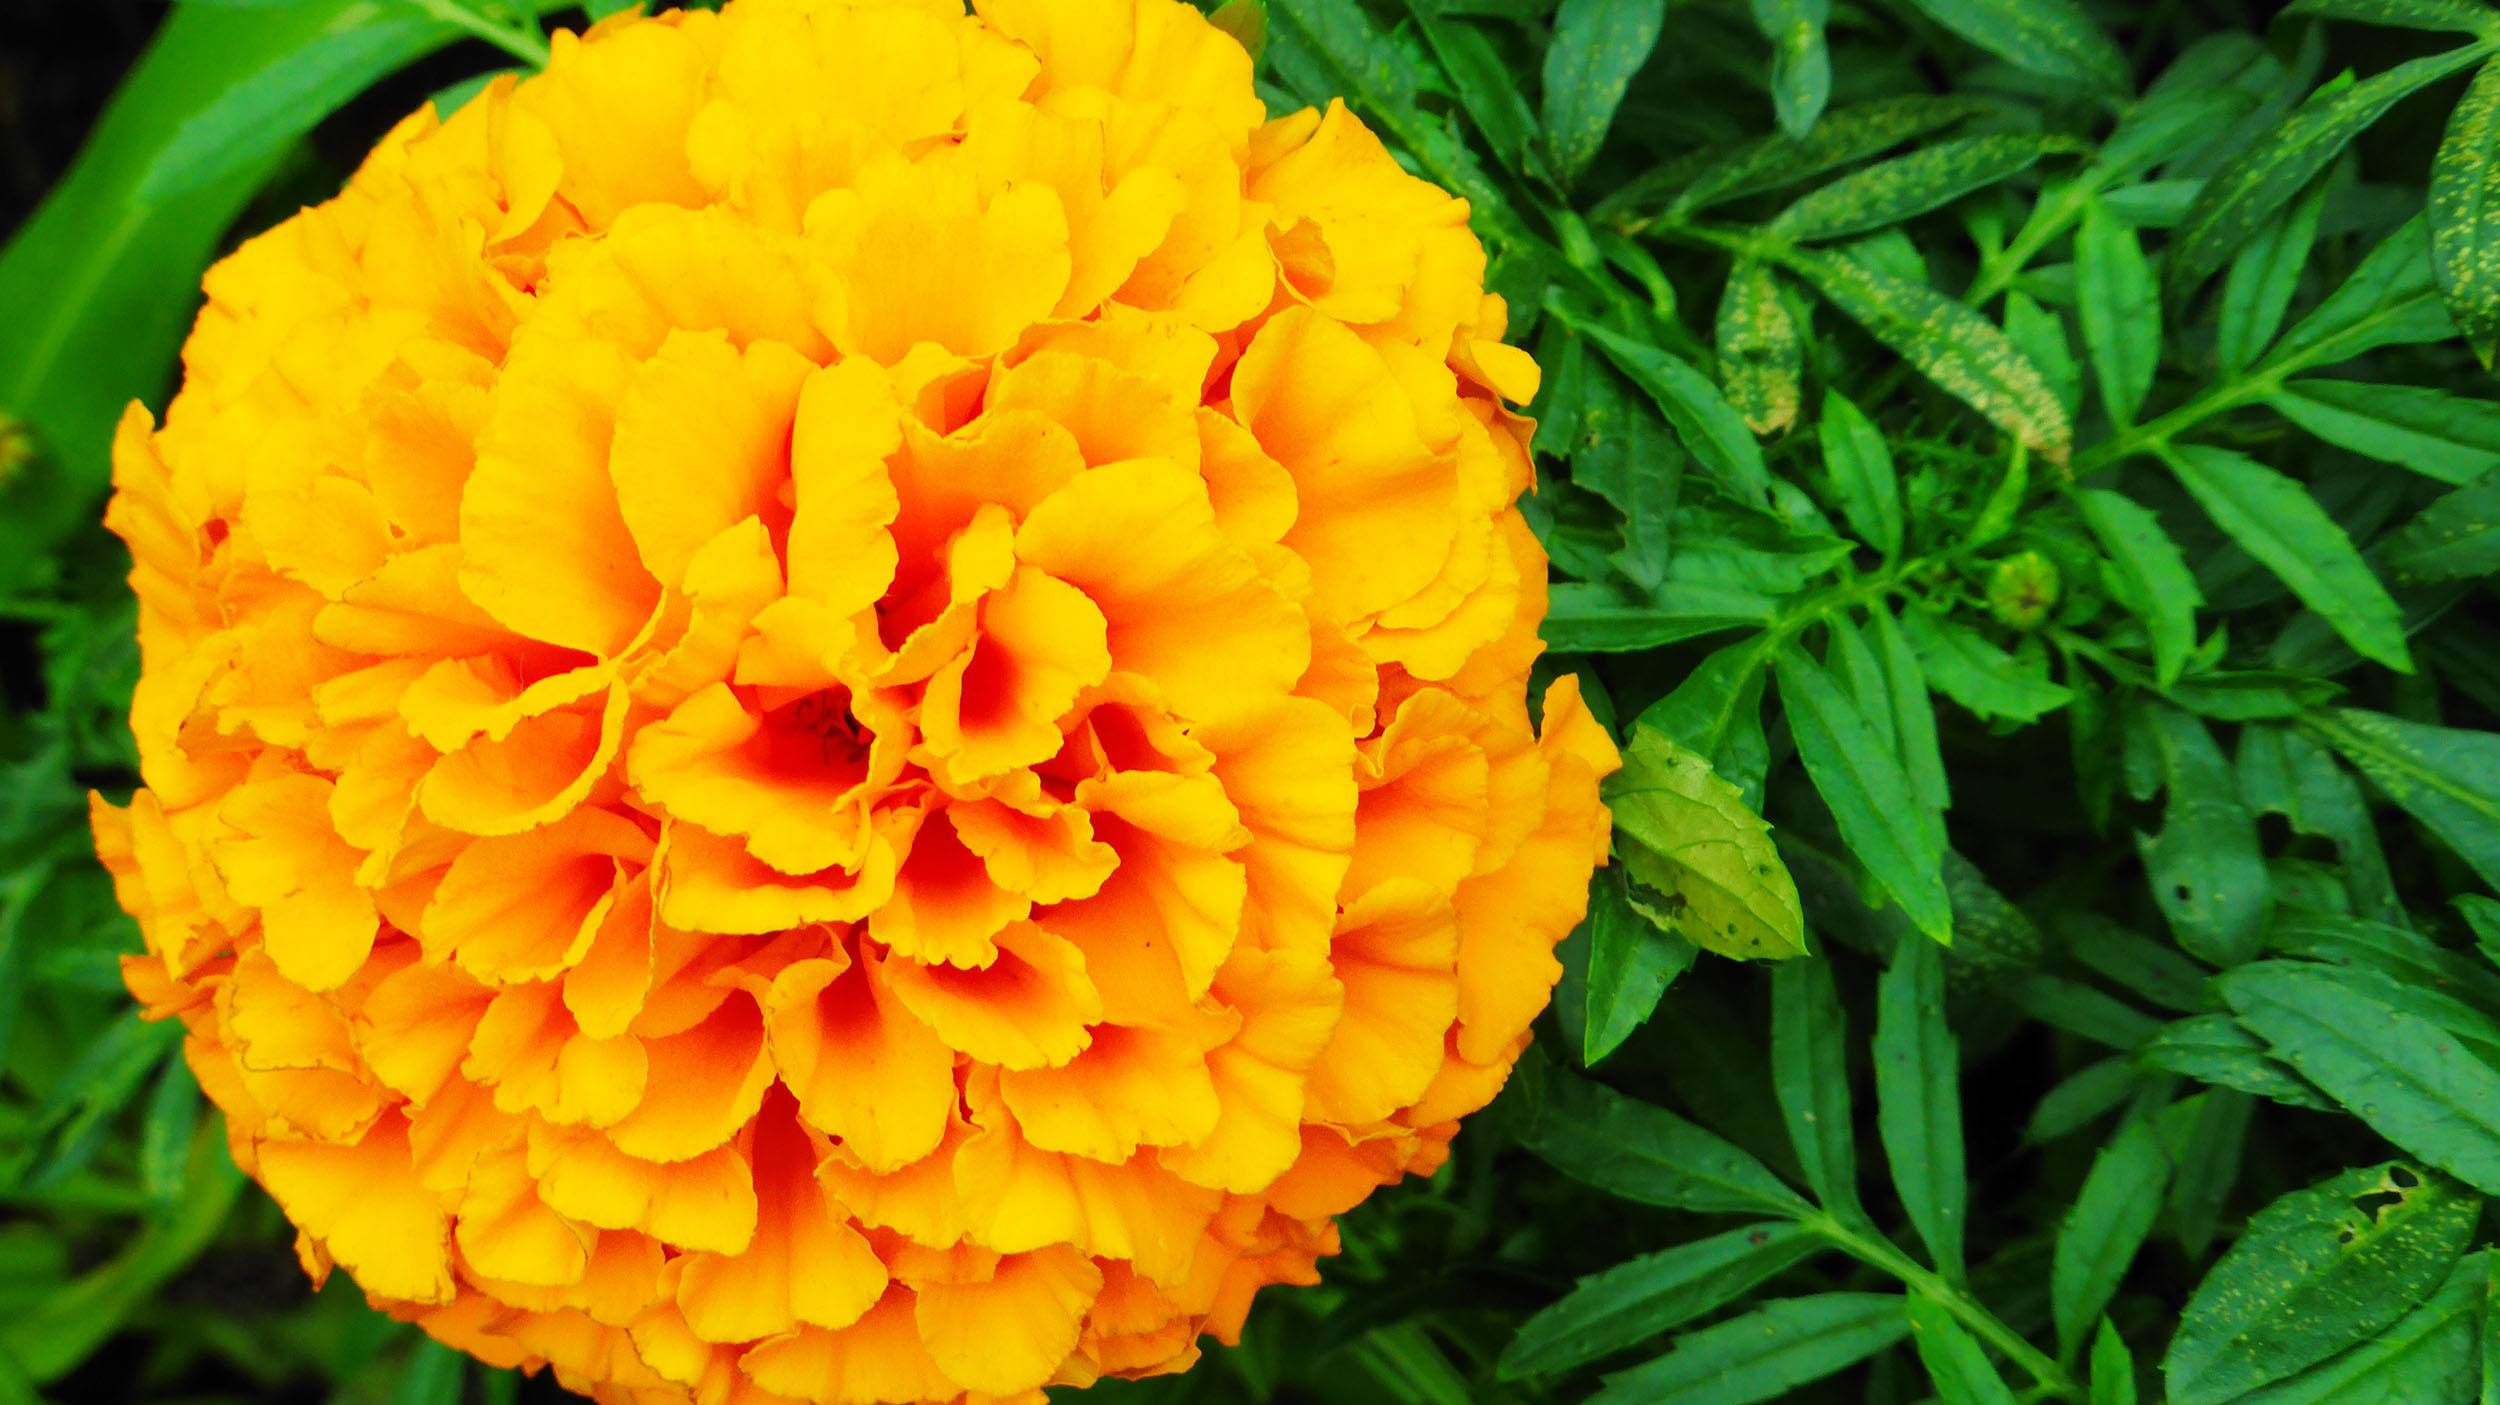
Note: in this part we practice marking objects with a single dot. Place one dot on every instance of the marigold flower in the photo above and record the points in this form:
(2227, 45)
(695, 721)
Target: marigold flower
(835, 702)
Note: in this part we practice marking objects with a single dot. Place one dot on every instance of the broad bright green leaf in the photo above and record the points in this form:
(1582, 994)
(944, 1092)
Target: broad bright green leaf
(2452, 16)
(1631, 963)
(1953, 1358)
(1907, 186)
(2275, 520)
(2260, 180)
(100, 284)
(2120, 309)
(1951, 345)
(2150, 576)
(1598, 45)
(1766, 1353)
(1959, 662)
(2452, 438)
(1868, 793)
(2448, 778)
(1644, 1153)
(2258, 287)
(2207, 872)
(2432, 1356)
(1710, 427)
(2112, 1214)
(2456, 537)
(1598, 619)
(2053, 38)
(1686, 833)
(2314, 1272)
(2113, 1368)
(2465, 209)
(1918, 1100)
(1716, 712)
(1760, 358)
(1847, 135)
(1861, 469)
(2390, 1066)
(1810, 1077)
(1640, 1298)
(1801, 67)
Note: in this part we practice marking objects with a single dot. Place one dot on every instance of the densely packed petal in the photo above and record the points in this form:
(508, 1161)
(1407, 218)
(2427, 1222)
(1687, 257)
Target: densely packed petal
(836, 702)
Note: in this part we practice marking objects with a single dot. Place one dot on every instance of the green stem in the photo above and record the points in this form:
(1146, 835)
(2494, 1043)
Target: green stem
(2054, 1382)
(527, 45)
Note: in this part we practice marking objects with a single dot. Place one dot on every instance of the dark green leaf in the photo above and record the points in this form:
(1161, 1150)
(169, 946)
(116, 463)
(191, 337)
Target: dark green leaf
(2454, 16)
(1598, 46)
(1764, 1354)
(1717, 712)
(2214, 1049)
(1849, 134)
(1810, 1076)
(1640, 1298)
(1867, 791)
(2457, 537)
(2449, 779)
(2430, 1357)
(2275, 520)
(1631, 963)
(1918, 1105)
(1863, 479)
(2390, 300)
(1913, 720)
(2207, 873)
(2113, 1368)
(2257, 290)
(1597, 619)
(2149, 576)
(1959, 662)
(1907, 186)
(2053, 38)
(2120, 310)
(1953, 1358)
(1709, 426)
(2112, 1214)
(2448, 437)
(1644, 1153)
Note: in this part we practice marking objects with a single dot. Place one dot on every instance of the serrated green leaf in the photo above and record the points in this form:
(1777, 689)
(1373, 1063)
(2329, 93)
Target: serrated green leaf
(1908, 186)
(1639, 1152)
(1959, 662)
(2112, 1215)
(1913, 720)
(2258, 287)
(1686, 833)
(2120, 309)
(1598, 45)
(1760, 359)
(1863, 478)
(2113, 1368)
(1847, 135)
(2053, 38)
(1810, 1077)
(1867, 792)
(2465, 210)
(1640, 1298)
(2213, 1048)
(2082, 1098)
(1631, 963)
(2150, 576)
(1801, 67)
(1953, 1358)
(2447, 778)
(1597, 619)
(2448, 437)
(2453, 16)
(1951, 345)
(2207, 872)
(2392, 299)
(2261, 179)
(1623, 453)
(1766, 1353)
(2314, 1272)
(2456, 537)
(1918, 1106)
(2275, 519)
(1709, 426)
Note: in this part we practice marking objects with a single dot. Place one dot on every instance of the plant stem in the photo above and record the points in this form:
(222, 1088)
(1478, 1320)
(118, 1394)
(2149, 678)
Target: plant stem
(527, 45)
(2054, 1382)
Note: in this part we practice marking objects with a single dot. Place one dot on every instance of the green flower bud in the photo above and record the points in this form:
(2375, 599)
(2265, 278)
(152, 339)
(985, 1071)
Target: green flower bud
(2022, 590)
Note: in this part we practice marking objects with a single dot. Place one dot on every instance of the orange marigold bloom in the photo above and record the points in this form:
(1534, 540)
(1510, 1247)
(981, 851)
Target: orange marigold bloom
(835, 702)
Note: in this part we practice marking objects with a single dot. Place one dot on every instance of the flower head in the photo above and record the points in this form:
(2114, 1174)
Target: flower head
(835, 702)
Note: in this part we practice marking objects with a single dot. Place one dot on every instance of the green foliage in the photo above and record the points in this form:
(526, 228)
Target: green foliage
(2023, 484)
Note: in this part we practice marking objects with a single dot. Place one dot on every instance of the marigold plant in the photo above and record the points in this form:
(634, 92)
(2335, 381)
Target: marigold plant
(835, 702)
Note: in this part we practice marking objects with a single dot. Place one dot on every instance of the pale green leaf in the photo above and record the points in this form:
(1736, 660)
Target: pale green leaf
(1687, 833)
(2465, 209)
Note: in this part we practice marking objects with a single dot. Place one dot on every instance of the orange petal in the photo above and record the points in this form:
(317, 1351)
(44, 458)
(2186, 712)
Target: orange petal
(1027, 1009)
(862, 1067)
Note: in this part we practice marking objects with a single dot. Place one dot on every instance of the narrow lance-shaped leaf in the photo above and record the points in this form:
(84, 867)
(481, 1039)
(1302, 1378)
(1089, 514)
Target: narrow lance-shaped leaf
(1598, 46)
(2265, 273)
(1913, 720)
(1850, 134)
(1960, 662)
(2113, 1368)
(1644, 1153)
(2448, 778)
(1867, 792)
(1801, 67)
(1710, 427)
(1907, 186)
(2120, 310)
(1584, 618)
(2465, 213)
(1918, 1107)
(2452, 438)
(1760, 358)
(2258, 182)
(2053, 38)
(1951, 345)
(1953, 1357)
(2456, 537)
(2152, 578)
(1810, 1077)
(1686, 833)
(2453, 16)
(1640, 1298)
(1631, 963)
(2112, 1214)
(2275, 520)
(2314, 1272)
(1766, 1353)
(1487, 93)
(2392, 299)
(1862, 473)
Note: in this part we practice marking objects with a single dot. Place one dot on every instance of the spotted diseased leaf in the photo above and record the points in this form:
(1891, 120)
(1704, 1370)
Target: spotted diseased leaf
(2315, 1272)
(1908, 186)
(2452, 16)
(2465, 211)
(1801, 67)
(2236, 202)
(1848, 135)
(2052, 38)
(2276, 520)
(1598, 46)
(1760, 360)
(1958, 349)
(2430, 1357)
(1687, 834)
